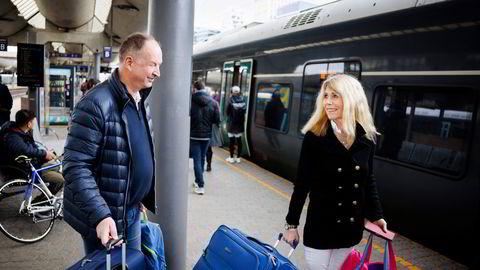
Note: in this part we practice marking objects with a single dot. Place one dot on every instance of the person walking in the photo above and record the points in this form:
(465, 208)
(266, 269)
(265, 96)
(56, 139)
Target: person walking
(235, 123)
(203, 114)
(336, 169)
(109, 164)
(216, 138)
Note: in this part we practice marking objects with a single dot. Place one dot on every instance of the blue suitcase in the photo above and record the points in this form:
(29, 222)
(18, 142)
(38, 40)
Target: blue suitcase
(112, 258)
(230, 249)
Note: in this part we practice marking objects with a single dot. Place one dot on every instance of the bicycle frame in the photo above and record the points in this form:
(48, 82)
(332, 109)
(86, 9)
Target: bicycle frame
(37, 179)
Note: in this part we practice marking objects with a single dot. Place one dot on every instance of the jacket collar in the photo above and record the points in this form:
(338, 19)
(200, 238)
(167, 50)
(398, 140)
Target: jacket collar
(120, 90)
(360, 140)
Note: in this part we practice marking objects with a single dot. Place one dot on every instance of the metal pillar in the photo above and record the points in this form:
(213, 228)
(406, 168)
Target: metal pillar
(171, 23)
(98, 56)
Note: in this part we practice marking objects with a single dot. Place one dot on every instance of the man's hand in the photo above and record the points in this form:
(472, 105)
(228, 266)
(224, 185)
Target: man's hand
(107, 230)
(50, 155)
(143, 208)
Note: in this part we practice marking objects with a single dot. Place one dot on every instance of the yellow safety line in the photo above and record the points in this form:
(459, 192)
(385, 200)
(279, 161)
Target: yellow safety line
(255, 165)
(256, 179)
(285, 195)
(399, 259)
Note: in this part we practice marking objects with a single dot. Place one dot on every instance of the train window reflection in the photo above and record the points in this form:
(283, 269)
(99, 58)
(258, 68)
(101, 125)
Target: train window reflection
(425, 126)
(214, 81)
(313, 76)
(272, 102)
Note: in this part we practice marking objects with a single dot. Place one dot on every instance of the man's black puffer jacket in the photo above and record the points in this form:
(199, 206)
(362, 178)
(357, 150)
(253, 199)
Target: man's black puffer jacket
(97, 159)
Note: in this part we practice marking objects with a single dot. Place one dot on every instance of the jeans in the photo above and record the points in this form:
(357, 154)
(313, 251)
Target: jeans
(53, 177)
(134, 233)
(199, 152)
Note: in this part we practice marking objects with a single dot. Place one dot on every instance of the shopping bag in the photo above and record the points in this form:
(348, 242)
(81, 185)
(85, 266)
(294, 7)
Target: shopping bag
(216, 139)
(152, 244)
(388, 263)
(353, 260)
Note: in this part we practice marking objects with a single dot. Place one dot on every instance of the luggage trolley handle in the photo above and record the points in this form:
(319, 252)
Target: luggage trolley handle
(111, 245)
(294, 246)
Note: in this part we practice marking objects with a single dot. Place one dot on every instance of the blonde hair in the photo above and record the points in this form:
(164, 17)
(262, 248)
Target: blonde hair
(355, 108)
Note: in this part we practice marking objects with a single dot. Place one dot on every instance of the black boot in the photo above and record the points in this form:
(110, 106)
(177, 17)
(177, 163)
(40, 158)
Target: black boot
(209, 167)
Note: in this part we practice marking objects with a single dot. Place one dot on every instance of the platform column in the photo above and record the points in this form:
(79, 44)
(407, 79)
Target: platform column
(171, 22)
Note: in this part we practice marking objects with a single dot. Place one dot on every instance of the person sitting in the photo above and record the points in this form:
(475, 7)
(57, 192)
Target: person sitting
(18, 140)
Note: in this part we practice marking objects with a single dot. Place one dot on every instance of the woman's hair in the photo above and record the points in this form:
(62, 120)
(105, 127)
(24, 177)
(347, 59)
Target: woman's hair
(355, 108)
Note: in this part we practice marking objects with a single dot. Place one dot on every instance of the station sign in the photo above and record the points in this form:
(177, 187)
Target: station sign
(107, 52)
(30, 64)
(67, 55)
(3, 44)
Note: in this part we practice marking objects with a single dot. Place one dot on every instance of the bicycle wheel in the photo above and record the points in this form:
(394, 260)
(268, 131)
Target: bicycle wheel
(19, 225)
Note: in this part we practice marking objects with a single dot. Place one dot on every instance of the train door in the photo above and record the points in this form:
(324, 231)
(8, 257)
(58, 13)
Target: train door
(236, 73)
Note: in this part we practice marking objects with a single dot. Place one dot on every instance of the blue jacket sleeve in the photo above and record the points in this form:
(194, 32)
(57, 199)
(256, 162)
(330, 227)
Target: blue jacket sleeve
(16, 146)
(82, 154)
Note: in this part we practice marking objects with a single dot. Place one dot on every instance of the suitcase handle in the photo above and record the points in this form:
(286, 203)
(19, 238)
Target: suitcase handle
(294, 246)
(111, 243)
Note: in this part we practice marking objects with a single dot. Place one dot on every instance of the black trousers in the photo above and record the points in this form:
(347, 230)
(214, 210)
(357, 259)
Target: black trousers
(232, 146)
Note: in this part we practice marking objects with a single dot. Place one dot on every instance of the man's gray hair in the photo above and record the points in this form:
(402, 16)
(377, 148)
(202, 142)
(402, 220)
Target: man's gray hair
(134, 43)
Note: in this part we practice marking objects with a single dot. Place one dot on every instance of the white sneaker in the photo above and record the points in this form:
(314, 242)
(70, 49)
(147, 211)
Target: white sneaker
(230, 160)
(194, 185)
(199, 190)
(237, 160)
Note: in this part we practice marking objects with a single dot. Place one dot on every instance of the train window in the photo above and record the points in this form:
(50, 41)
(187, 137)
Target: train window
(272, 102)
(214, 81)
(425, 126)
(313, 76)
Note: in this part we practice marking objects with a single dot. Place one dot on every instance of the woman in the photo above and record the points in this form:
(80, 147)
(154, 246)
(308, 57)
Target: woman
(335, 167)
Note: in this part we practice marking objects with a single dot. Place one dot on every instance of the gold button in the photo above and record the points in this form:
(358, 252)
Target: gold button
(354, 202)
(339, 204)
(338, 221)
(352, 219)
(339, 187)
(356, 185)
(339, 169)
(357, 167)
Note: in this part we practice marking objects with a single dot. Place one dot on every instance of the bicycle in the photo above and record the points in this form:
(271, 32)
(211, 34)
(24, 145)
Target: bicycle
(25, 220)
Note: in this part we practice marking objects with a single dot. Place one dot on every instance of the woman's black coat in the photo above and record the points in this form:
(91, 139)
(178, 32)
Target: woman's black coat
(342, 190)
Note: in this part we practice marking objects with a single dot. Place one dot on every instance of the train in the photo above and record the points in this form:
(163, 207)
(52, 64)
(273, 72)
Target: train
(419, 63)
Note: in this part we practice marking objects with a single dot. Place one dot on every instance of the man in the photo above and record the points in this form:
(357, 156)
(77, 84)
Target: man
(6, 103)
(109, 153)
(18, 140)
(235, 123)
(203, 114)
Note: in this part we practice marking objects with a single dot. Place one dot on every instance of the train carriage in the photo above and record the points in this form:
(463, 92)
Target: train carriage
(419, 62)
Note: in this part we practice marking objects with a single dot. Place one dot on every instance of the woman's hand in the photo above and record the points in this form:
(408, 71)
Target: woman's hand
(291, 236)
(382, 224)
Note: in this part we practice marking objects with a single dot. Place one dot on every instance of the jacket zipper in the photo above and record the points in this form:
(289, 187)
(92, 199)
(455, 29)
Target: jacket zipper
(125, 202)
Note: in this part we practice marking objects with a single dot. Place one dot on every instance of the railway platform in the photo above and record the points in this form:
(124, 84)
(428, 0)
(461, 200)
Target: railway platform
(240, 195)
